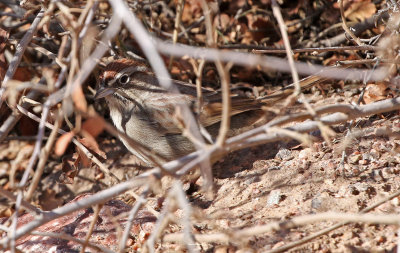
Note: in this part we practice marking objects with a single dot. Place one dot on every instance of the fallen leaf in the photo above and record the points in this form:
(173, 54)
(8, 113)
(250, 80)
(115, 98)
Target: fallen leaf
(63, 142)
(260, 28)
(49, 200)
(359, 11)
(70, 168)
(79, 99)
(191, 10)
(222, 21)
(94, 125)
(23, 74)
(375, 92)
(90, 143)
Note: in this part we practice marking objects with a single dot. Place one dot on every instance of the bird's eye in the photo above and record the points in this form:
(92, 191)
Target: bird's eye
(123, 79)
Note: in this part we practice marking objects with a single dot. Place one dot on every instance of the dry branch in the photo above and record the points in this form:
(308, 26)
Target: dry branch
(71, 42)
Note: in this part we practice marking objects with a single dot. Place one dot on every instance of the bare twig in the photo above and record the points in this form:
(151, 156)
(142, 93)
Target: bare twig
(93, 222)
(270, 50)
(102, 167)
(24, 204)
(72, 239)
(346, 27)
(188, 237)
(19, 53)
(268, 62)
(244, 234)
(95, 199)
(178, 16)
(43, 159)
(139, 202)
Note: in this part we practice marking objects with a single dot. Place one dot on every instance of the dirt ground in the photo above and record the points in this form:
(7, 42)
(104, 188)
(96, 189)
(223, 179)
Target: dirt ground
(268, 183)
(253, 187)
(278, 181)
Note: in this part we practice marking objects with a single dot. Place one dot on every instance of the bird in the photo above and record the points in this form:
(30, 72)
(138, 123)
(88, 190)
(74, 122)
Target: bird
(145, 112)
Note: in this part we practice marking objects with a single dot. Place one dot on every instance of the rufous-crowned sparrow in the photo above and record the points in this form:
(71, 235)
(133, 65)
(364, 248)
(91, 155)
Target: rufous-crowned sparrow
(144, 111)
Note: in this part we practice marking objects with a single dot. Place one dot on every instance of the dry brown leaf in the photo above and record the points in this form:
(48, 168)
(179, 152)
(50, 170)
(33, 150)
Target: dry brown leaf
(49, 199)
(23, 74)
(259, 28)
(94, 125)
(243, 73)
(359, 11)
(90, 143)
(181, 69)
(70, 168)
(191, 10)
(222, 21)
(375, 92)
(79, 99)
(63, 142)
(6, 211)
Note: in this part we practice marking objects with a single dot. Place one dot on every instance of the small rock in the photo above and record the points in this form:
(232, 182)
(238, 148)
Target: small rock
(328, 155)
(381, 239)
(348, 94)
(305, 153)
(355, 158)
(367, 156)
(395, 201)
(252, 180)
(284, 155)
(374, 153)
(316, 203)
(387, 171)
(355, 241)
(331, 165)
(274, 197)
(362, 187)
(224, 249)
(348, 235)
(316, 246)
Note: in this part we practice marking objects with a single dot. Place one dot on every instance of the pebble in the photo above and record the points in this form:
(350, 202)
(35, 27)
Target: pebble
(305, 153)
(284, 155)
(274, 197)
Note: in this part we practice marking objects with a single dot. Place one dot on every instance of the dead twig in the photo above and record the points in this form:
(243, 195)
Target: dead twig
(95, 199)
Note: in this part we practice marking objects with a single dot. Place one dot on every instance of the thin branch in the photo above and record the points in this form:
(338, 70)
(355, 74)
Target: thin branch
(20, 49)
(268, 62)
(98, 198)
(346, 27)
(24, 204)
(92, 225)
(244, 234)
(43, 159)
(72, 239)
(139, 202)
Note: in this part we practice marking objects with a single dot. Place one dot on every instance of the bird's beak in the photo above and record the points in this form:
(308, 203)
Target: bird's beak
(104, 92)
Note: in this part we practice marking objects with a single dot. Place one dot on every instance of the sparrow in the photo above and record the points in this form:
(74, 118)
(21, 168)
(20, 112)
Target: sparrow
(146, 112)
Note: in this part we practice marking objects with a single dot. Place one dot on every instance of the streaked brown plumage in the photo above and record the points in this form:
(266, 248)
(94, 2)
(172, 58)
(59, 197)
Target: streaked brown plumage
(144, 111)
